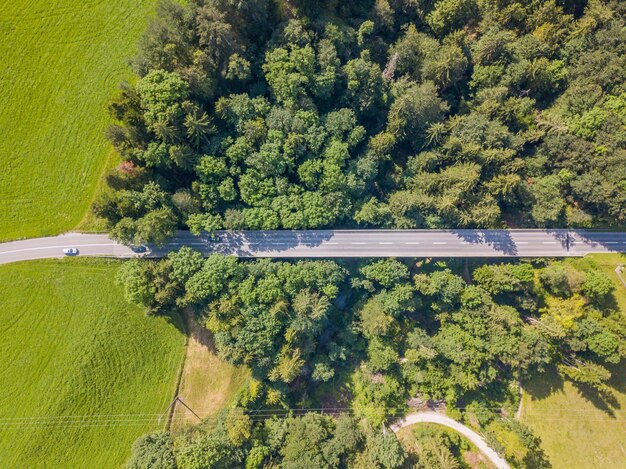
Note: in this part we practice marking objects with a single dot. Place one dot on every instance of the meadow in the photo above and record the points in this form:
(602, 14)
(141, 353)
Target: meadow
(60, 63)
(578, 427)
(208, 384)
(78, 365)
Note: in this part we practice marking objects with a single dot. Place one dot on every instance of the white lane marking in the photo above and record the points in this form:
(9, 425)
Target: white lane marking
(440, 242)
(548, 242)
(58, 247)
(330, 242)
(182, 243)
(522, 242)
(610, 242)
(465, 242)
(357, 243)
(385, 242)
(412, 242)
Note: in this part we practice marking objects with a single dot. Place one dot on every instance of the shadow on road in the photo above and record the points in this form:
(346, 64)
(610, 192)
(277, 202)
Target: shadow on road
(609, 241)
(249, 243)
(499, 240)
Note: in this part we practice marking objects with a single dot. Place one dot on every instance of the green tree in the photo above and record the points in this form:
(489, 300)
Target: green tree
(413, 111)
(152, 451)
(386, 272)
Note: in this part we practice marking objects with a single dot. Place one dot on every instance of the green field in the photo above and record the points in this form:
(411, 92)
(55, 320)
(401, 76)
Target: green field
(60, 63)
(580, 429)
(72, 346)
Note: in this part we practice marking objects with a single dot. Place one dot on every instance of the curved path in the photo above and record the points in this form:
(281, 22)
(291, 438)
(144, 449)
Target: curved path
(340, 243)
(471, 435)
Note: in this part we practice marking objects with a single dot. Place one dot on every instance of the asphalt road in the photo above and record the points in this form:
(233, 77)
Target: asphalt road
(341, 243)
(471, 435)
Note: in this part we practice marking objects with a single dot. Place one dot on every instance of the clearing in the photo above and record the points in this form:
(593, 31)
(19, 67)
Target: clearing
(72, 346)
(208, 384)
(580, 429)
(60, 63)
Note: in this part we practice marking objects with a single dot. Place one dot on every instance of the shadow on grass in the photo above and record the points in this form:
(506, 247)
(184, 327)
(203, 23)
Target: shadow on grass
(544, 384)
(607, 401)
(604, 401)
(549, 382)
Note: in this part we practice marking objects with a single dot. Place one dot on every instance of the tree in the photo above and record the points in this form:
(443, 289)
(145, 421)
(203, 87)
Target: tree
(152, 451)
(413, 111)
(304, 442)
(161, 94)
(385, 451)
(134, 276)
(366, 89)
(549, 204)
(451, 14)
(597, 285)
(216, 274)
(290, 74)
(199, 127)
(386, 272)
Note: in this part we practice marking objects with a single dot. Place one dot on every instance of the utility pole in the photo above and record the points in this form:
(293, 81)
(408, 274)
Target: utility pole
(171, 409)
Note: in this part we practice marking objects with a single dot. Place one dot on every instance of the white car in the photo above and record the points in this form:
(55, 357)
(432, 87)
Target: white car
(70, 251)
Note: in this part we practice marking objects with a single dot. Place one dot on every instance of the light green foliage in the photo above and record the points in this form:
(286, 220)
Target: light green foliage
(449, 15)
(502, 278)
(386, 272)
(597, 285)
(78, 349)
(57, 78)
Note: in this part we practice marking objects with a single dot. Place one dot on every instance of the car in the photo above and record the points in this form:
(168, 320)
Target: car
(139, 249)
(70, 251)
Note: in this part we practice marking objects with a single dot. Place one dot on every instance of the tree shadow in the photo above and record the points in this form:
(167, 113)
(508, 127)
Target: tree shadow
(174, 318)
(550, 381)
(264, 243)
(199, 333)
(500, 240)
(544, 384)
(604, 401)
(609, 241)
(564, 237)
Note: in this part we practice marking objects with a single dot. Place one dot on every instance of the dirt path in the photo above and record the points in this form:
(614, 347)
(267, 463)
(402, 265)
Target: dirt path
(471, 435)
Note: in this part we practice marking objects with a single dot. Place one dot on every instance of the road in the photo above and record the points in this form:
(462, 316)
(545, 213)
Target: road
(471, 435)
(341, 243)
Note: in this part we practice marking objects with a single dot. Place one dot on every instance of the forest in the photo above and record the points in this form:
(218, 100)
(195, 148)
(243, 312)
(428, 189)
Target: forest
(390, 113)
(366, 337)
(260, 114)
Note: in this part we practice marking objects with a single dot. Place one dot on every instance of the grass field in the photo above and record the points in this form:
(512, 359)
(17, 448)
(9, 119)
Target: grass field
(72, 346)
(581, 429)
(60, 62)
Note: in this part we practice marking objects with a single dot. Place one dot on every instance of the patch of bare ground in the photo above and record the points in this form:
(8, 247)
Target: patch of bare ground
(207, 384)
